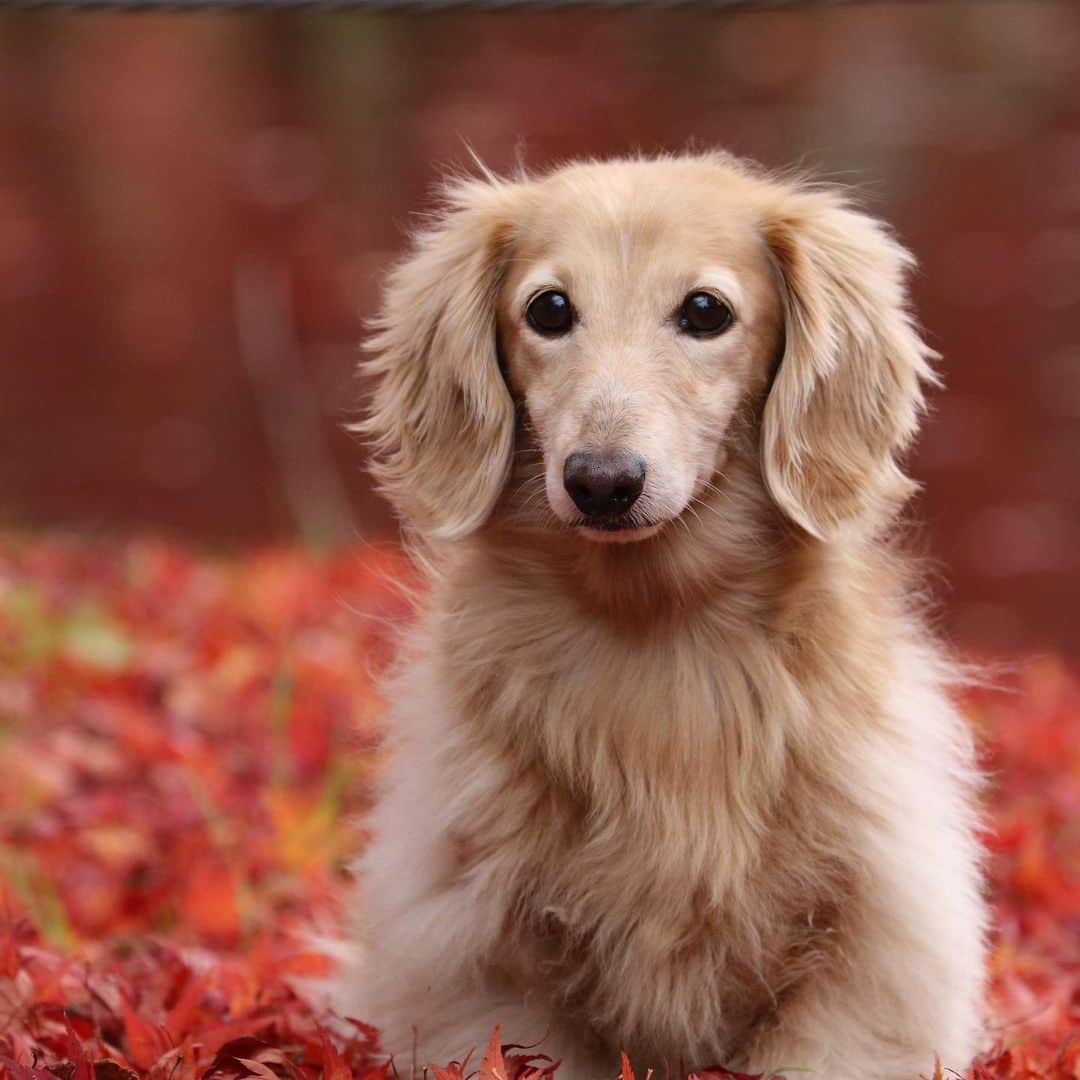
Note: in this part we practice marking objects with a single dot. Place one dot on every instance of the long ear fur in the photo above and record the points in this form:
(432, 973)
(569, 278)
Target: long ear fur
(441, 419)
(847, 397)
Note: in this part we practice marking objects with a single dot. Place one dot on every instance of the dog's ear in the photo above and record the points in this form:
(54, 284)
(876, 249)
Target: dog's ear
(441, 419)
(847, 396)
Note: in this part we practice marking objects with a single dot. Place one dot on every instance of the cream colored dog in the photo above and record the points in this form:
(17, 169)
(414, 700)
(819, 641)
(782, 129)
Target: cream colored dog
(675, 770)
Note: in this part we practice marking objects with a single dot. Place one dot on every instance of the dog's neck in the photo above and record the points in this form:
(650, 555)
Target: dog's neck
(570, 655)
(727, 635)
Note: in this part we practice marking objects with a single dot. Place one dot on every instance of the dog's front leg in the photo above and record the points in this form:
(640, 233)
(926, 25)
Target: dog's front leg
(424, 1025)
(851, 1029)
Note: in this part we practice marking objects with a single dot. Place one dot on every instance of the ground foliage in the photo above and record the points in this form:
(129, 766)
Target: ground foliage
(186, 745)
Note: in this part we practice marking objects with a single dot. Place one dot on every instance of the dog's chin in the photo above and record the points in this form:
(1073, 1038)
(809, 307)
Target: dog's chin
(615, 533)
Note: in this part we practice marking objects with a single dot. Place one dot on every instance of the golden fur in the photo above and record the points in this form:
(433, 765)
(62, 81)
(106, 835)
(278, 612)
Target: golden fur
(702, 795)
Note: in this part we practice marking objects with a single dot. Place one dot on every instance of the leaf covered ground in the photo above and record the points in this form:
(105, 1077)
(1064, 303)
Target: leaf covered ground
(186, 745)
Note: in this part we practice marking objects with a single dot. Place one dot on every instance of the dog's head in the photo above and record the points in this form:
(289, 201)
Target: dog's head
(629, 319)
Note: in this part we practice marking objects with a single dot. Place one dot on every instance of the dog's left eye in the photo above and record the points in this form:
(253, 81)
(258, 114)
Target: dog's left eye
(550, 313)
(704, 315)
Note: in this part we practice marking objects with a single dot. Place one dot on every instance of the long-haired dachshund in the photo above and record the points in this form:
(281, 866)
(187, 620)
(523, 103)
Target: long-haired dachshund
(675, 770)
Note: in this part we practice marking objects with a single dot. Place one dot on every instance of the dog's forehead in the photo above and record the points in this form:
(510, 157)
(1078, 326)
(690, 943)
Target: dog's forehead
(648, 222)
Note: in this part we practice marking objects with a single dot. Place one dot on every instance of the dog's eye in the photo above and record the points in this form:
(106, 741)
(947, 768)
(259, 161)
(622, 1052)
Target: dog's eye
(550, 313)
(703, 315)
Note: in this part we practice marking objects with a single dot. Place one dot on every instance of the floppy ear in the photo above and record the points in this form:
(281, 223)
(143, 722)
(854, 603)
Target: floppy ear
(441, 419)
(847, 396)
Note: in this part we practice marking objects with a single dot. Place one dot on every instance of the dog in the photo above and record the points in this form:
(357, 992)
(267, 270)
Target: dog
(674, 767)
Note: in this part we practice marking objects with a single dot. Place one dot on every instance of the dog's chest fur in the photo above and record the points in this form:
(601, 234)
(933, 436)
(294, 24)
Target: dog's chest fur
(676, 856)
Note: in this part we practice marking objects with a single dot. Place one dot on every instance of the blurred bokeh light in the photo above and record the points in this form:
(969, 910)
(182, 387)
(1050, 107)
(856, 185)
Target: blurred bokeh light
(195, 210)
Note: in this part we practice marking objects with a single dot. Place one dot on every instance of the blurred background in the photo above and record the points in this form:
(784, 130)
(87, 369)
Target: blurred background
(195, 211)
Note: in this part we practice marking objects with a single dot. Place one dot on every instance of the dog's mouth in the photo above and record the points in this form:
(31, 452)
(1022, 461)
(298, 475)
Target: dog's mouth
(616, 529)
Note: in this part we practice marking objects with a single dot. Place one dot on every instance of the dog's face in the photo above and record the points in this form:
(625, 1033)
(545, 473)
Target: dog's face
(629, 318)
(634, 320)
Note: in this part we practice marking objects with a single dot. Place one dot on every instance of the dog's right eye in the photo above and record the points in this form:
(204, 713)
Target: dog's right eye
(550, 313)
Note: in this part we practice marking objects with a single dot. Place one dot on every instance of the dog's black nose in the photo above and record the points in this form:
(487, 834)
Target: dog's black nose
(603, 483)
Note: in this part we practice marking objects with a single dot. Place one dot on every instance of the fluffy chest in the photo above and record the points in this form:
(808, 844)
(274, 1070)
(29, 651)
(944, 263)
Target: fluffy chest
(681, 902)
(654, 822)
